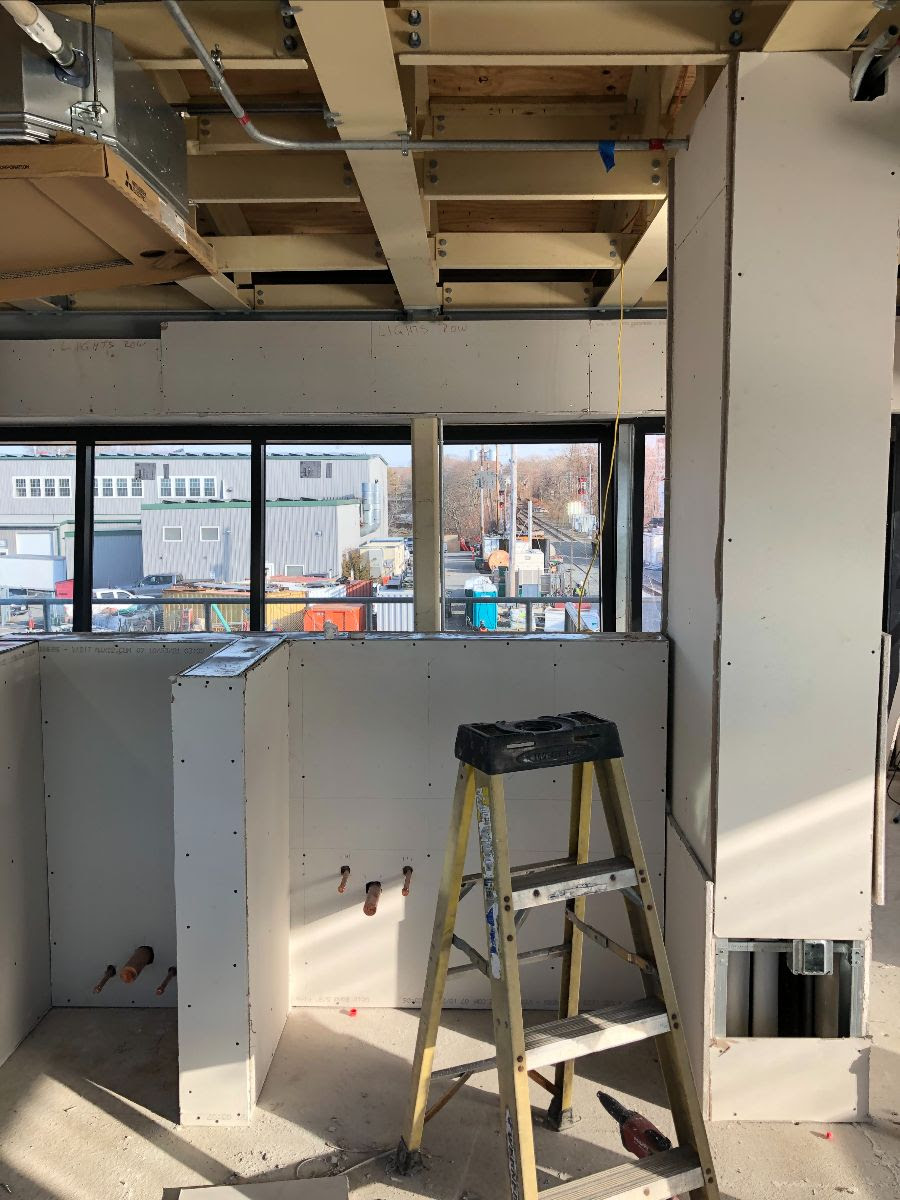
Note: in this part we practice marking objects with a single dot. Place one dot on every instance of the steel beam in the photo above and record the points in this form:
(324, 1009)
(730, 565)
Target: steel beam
(560, 175)
(643, 266)
(275, 178)
(349, 44)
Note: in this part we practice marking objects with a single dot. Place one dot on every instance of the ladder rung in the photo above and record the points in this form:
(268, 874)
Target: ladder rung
(659, 1177)
(555, 883)
(525, 958)
(475, 877)
(602, 1029)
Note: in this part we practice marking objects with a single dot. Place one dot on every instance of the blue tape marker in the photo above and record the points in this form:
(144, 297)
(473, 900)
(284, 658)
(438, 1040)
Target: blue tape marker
(608, 154)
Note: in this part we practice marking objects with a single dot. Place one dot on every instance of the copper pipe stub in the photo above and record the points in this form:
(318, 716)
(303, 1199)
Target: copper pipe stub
(345, 876)
(407, 879)
(373, 895)
(141, 958)
(108, 974)
(170, 975)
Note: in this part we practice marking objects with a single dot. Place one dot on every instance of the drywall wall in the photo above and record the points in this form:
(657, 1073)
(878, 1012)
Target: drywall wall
(337, 370)
(373, 723)
(693, 448)
(107, 730)
(24, 921)
(789, 1079)
(230, 754)
(689, 946)
(802, 553)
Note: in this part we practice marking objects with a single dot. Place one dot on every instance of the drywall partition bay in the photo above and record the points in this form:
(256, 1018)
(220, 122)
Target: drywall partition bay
(230, 748)
(107, 732)
(373, 723)
(24, 921)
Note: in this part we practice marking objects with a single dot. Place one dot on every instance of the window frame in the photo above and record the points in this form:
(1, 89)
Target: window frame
(88, 439)
(170, 529)
(217, 538)
(644, 427)
(538, 432)
(23, 479)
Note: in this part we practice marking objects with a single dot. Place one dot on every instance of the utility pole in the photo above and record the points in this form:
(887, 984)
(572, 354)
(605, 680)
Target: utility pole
(511, 589)
(497, 526)
(481, 496)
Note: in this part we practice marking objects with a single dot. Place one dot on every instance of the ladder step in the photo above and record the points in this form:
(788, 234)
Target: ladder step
(554, 883)
(602, 1029)
(659, 1177)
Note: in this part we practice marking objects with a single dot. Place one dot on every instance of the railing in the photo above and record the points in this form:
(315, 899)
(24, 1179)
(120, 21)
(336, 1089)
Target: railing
(212, 608)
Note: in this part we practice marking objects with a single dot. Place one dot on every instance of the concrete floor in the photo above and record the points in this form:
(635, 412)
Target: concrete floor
(87, 1107)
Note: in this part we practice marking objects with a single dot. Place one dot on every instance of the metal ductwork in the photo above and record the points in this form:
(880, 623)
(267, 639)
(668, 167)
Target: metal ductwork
(102, 95)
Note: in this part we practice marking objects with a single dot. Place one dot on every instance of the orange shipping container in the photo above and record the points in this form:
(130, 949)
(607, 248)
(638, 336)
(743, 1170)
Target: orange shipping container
(349, 618)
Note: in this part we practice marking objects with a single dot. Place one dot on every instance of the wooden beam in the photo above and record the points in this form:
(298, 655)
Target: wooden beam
(246, 32)
(300, 252)
(187, 63)
(528, 251)
(228, 220)
(171, 87)
(536, 125)
(643, 266)
(813, 25)
(220, 133)
(325, 297)
(160, 297)
(349, 44)
(469, 251)
(555, 175)
(34, 304)
(515, 295)
(270, 179)
(215, 291)
(550, 31)
(714, 59)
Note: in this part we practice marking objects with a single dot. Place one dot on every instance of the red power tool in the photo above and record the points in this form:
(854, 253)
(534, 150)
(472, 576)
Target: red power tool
(639, 1135)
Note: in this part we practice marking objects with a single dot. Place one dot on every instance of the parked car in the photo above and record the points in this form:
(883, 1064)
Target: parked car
(153, 585)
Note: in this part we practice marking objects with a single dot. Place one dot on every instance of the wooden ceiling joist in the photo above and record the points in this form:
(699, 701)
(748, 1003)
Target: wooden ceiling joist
(810, 25)
(270, 178)
(554, 175)
(349, 45)
(643, 265)
(490, 295)
(460, 251)
(551, 32)
(248, 34)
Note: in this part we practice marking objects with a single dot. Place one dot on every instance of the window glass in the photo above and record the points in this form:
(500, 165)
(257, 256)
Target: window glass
(65, 486)
(155, 557)
(209, 488)
(654, 514)
(36, 539)
(342, 533)
(551, 491)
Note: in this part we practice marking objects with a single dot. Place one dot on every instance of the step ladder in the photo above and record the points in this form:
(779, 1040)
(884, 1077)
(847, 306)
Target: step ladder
(591, 746)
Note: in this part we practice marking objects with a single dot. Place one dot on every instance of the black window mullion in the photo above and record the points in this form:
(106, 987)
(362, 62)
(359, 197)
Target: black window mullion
(636, 550)
(83, 567)
(608, 544)
(257, 533)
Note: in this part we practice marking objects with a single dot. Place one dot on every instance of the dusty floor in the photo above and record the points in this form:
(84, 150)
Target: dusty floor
(87, 1106)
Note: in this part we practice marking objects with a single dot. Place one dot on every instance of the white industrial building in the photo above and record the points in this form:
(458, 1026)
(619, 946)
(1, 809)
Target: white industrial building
(37, 505)
(230, 913)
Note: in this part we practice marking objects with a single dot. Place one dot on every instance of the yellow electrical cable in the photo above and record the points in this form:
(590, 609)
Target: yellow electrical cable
(615, 442)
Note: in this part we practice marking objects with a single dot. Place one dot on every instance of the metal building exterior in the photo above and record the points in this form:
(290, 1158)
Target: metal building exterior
(210, 539)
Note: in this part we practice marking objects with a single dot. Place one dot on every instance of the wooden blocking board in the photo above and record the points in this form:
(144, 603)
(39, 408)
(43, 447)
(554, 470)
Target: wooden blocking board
(230, 749)
(24, 928)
